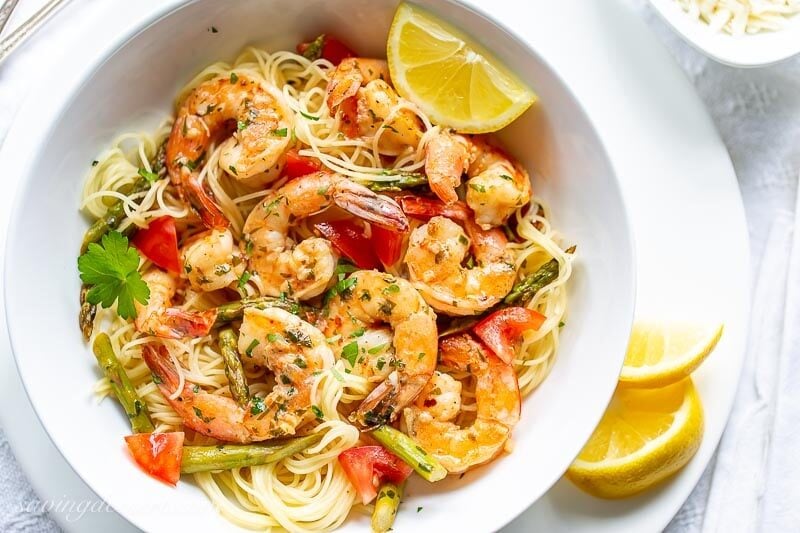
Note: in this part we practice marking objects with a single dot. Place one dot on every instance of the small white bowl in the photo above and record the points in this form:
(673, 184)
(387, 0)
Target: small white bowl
(749, 50)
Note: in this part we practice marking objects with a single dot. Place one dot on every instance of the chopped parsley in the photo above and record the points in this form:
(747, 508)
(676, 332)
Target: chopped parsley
(233, 170)
(242, 124)
(300, 362)
(282, 132)
(213, 29)
(309, 117)
(391, 288)
(272, 337)
(317, 412)
(95, 162)
(350, 353)
(112, 268)
(506, 177)
(157, 379)
(463, 239)
(476, 187)
(419, 509)
(256, 405)
(244, 279)
(561, 324)
(251, 347)
(300, 337)
(358, 333)
(234, 77)
(377, 349)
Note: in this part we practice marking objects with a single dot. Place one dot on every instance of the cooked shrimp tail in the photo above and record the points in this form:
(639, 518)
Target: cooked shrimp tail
(365, 204)
(158, 317)
(202, 202)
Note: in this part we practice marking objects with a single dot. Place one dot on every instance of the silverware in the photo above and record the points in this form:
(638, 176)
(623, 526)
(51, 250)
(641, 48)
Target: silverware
(5, 12)
(21, 34)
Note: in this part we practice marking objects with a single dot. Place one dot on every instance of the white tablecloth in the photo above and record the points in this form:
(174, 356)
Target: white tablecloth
(753, 482)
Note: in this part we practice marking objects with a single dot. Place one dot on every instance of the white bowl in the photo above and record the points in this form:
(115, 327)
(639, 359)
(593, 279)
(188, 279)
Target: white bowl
(133, 85)
(756, 50)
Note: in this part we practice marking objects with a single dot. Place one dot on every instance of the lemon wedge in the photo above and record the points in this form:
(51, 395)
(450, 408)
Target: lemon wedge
(645, 436)
(660, 354)
(452, 79)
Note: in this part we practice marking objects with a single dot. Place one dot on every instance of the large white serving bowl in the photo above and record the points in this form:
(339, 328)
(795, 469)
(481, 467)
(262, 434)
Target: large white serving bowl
(133, 86)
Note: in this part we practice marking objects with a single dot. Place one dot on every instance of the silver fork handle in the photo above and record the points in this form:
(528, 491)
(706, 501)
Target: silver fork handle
(5, 12)
(10, 43)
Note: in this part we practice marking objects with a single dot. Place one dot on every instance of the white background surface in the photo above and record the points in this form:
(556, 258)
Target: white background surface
(757, 112)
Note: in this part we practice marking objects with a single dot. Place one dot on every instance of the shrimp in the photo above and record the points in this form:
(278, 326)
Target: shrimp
(373, 297)
(261, 119)
(303, 270)
(159, 318)
(298, 351)
(496, 186)
(211, 261)
(435, 256)
(369, 105)
(350, 75)
(430, 420)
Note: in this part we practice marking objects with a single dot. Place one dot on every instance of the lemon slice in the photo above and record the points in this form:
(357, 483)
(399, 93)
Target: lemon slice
(660, 354)
(453, 80)
(645, 436)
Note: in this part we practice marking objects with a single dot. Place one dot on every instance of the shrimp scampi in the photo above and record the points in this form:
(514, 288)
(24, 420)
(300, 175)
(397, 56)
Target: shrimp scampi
(374, 297)
(430, 420)
(291, 348)
(160, 318)
(304, 269)
(435, 259)
(260, 120)
(496, 185)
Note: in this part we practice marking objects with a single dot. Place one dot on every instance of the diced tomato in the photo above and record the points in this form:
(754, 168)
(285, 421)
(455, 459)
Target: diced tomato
(158, 454)
(425, 208)
(367, 466)
(332, 49)
(500, 330)
(297, 165)
(387, 245)
(350, 240)
(159, 243)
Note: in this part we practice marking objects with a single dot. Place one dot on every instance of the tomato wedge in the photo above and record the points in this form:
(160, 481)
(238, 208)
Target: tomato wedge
(350, 240)
(297, 165)
(367, 466)
(387, 245)
(159, 243)
(425, 208)
(326, 47)
(500, 330)
(158, 454)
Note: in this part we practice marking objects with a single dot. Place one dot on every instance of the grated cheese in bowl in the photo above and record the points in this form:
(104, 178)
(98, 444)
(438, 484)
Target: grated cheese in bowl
(738, 17)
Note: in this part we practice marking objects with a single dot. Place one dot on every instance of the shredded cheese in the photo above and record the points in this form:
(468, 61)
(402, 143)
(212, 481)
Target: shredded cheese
(739, 17)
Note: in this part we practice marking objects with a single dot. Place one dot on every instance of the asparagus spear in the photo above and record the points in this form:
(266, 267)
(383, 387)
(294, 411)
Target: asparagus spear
(116, 212)
(123, 389)
(526, 289)
(409, 451)
(233, 367)
(403, 181)
(386, 506)
(229, 312)
(228, 456)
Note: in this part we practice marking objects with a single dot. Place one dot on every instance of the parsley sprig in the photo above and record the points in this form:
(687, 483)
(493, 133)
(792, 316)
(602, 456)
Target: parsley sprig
(111, 268)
